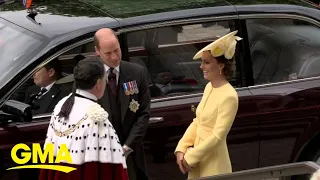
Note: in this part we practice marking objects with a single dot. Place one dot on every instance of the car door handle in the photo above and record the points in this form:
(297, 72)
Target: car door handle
(155, 120)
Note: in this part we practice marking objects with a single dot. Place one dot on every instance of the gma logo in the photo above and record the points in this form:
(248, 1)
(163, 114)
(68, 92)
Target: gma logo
(63, 154)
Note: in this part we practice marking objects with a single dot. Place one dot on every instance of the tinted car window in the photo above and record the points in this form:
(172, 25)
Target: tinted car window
(67, 60)
(84, 49)
(283, 49)
(167, 54)
(16, 46)
(63, 65)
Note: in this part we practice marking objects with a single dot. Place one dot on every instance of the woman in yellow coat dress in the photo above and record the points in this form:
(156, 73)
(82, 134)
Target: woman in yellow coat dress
(202, 151)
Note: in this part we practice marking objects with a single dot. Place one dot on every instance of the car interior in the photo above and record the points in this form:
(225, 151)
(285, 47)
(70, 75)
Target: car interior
(171, 50)
(283, 52)
(174, 59)
(66, 82)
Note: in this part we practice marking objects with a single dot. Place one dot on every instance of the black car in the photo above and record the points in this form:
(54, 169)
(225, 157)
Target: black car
(277, 72)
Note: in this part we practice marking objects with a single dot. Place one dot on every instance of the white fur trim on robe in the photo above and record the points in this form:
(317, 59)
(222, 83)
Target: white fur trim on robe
(94, 141)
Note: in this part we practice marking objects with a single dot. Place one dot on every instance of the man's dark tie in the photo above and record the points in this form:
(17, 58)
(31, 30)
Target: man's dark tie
(36, 97)
(39, 95)
(112, 81)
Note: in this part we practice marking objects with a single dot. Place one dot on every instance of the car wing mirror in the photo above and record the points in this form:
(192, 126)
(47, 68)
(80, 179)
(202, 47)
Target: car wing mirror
(15, 111)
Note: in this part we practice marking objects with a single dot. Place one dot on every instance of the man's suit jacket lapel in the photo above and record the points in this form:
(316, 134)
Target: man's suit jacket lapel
(124, 99)
(105, 102)
(47, 98)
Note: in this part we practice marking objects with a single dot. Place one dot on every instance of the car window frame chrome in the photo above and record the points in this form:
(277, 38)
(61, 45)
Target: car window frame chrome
(41, 116)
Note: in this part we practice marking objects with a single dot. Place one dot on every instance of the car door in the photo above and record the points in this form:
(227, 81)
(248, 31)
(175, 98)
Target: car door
(166, 53)
(285, 61)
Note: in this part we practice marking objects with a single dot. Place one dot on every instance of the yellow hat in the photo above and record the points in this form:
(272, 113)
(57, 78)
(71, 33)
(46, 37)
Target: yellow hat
(226, 45)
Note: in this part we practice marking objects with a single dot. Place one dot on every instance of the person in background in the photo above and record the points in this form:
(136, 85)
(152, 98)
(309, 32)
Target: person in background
(81, 124)
(45, 93)
(202, 151)
(127, 100)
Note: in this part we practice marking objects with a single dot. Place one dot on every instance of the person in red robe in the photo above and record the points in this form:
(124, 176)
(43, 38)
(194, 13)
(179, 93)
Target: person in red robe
(80, 123)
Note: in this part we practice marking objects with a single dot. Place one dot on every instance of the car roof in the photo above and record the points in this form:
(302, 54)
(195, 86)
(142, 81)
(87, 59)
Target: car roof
(181, 9)
(131, 9)
(56, 17)
(221, 9)
(61, 17)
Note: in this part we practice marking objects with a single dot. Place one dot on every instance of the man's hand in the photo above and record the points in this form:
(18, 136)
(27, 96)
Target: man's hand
(180, 158)
(126, 150)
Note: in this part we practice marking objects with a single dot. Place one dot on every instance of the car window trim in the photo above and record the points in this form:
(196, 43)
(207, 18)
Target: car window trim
(284, 82)
(281, 16)
(41, 116)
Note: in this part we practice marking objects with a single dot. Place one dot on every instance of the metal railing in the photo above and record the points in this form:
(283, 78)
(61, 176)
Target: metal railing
(272, 172)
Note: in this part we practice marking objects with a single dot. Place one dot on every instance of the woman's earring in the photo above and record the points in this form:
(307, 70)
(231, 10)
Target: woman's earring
(220, 71)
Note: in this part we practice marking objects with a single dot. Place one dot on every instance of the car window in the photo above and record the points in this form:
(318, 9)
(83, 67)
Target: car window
(43, 91)
(167, 54)
(16, 46)
(67, 58)
(87, 48)
(44, 103)
(283, 49)
(64, 64)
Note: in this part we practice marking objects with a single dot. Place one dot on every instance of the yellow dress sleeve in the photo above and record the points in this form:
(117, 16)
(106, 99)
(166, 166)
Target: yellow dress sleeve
(188, 138)
(227, 110)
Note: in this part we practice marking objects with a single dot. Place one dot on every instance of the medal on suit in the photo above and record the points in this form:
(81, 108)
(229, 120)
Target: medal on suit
(135, 87)
(134, 105)
(131, 87)
(126, 88)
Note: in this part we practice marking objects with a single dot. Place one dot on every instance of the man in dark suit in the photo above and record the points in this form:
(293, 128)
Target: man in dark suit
(45, 94)
(126, 99)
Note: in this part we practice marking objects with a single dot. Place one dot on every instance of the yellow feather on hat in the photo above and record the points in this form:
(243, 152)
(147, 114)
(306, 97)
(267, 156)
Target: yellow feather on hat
(226, 45)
